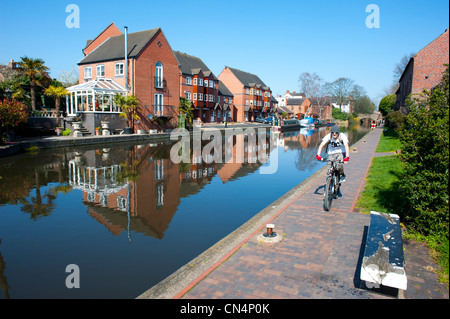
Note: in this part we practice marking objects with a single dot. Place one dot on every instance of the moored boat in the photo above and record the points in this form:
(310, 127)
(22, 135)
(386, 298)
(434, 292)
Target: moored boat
(288, 124)
(307, 121)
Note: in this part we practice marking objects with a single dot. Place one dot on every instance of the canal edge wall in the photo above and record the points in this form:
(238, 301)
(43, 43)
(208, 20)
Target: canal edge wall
(185, 278)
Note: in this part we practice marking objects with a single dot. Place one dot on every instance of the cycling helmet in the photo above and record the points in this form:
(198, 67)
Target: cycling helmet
(335, 129)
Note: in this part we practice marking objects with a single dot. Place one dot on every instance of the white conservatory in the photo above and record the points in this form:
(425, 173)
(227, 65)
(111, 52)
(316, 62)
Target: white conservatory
(94, 96)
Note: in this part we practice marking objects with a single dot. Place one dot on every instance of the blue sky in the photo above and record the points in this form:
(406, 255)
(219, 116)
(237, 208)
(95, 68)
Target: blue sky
(274, 39)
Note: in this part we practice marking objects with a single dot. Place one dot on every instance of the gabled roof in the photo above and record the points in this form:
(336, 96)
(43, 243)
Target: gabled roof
(248, 79)
(88, 42)
(223, 90)
(295, 101)
(192, 65)
(320, 100)
(114, 47)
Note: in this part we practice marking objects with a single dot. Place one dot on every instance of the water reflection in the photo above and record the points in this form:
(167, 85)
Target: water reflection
(136, 190)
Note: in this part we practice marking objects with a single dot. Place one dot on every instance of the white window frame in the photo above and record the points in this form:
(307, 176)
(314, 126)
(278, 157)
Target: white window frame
(188, 95)
(119, 67)
(200, 96)
(100, 67)
(159, 103)
(200, 82)
(88, 72)
(159, 75)
(195, 81)
(188, 80)
(195, 96)
(205, 82)
(211, 84)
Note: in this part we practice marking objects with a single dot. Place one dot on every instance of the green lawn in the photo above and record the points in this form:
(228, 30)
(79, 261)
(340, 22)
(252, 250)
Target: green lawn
(389, 141)
(381, 192)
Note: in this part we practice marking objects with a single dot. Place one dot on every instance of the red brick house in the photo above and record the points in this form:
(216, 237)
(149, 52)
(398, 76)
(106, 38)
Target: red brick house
(201, 86)
(252, 97)
(152, 74)
(424, 70)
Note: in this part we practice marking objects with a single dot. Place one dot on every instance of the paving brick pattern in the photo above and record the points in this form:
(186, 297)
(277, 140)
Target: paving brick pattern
(319, 256)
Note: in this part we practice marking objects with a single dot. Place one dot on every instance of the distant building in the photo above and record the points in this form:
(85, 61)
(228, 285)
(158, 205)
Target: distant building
(199, 85)
(424, 70)
(252, 97)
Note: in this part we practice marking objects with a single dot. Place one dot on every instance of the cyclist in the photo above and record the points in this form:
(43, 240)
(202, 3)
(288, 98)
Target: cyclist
(338, 148)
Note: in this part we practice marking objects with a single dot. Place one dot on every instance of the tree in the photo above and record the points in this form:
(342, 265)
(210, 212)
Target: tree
(57, 92)
(364, 105)
(129, 106)
(357, 93)
(387, 104)
(400, 66)
(12, 113)
(34, 69)
(186, 109)
(339, 89)
(311, 84)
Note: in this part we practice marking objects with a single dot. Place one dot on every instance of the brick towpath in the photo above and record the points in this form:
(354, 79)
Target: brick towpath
(319, 256)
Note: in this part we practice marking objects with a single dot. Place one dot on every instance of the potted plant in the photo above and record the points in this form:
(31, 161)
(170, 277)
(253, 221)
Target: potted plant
(129, 106)
(98, 131)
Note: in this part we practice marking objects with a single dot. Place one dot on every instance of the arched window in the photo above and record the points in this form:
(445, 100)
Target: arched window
(159, 75)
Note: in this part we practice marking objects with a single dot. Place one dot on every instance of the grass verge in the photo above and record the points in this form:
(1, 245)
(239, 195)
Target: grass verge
(381, 193)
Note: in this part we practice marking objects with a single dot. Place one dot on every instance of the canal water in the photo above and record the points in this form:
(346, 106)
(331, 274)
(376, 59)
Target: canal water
(117, 219)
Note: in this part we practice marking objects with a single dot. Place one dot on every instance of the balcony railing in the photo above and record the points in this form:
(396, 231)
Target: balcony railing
(44, 113)
(159, 82)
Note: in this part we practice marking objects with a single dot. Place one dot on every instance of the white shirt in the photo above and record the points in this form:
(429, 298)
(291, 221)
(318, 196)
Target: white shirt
(336, 145)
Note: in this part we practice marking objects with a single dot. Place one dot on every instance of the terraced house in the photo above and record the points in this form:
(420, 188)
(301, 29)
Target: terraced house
(251, 96)
(199, 85)
(149, 70)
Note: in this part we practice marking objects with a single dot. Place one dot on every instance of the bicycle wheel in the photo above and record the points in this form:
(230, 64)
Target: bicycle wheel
(328, 194)
(336, 180)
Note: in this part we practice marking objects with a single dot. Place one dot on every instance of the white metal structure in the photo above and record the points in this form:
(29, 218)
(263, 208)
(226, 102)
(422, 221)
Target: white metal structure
(94, 96)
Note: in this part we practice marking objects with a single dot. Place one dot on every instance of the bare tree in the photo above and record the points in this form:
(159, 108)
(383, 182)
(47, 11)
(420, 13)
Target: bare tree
(69, 78)
(340, 89)
(311, 84)
(400, 66)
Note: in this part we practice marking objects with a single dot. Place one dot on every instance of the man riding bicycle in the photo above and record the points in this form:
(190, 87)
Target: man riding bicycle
(338, 149)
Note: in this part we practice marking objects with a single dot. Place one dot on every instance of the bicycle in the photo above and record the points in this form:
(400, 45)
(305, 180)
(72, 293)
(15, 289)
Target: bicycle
(333, 184)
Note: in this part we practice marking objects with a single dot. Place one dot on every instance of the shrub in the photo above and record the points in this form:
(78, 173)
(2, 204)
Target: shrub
(425, 152)
(12, 113)
(66, 132)
(337, 114)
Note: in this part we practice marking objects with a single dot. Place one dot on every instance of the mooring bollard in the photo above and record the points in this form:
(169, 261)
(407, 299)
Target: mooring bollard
(270, 232)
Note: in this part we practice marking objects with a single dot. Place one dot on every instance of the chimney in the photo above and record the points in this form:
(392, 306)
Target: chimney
(126, 58)
(12, 64)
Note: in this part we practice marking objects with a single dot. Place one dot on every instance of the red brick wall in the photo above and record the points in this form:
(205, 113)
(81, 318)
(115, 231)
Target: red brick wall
(428, 63)
(144, 71)
(109, 71)
(237, 88)
(111, 31)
